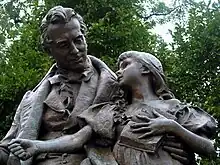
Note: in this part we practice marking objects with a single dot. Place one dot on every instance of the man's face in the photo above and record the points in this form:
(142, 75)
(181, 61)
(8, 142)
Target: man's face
(68, 46)
(129, 73)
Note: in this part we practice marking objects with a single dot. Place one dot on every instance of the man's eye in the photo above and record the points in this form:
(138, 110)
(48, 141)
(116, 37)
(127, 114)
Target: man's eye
(63, 45)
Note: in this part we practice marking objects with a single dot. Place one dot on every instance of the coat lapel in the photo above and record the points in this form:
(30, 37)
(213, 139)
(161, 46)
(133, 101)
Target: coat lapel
(32, 125)
(106, 88)
(97, 90)
(36, 110)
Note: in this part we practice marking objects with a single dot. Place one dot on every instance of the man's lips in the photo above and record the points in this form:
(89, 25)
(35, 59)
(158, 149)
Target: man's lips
(79, 60)
(76, 60)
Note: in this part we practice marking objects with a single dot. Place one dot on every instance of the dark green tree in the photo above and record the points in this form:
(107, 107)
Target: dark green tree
(195, 75)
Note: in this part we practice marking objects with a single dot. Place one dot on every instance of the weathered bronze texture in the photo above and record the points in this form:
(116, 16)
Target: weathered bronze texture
(82, 114)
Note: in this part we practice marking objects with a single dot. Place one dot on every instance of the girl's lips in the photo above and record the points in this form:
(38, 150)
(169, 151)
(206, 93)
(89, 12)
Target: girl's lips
(119, 78)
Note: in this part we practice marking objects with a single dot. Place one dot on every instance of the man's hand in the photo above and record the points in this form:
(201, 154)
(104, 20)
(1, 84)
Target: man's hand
(177, 151)
(23, 148)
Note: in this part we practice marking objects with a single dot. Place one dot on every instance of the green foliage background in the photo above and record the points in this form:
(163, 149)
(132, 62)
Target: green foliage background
(191, 62)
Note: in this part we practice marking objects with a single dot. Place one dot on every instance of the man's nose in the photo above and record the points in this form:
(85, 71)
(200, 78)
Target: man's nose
(73, 49)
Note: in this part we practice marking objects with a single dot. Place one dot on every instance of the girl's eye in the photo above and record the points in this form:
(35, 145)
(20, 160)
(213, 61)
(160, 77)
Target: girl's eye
(78, 40)
(124, 65)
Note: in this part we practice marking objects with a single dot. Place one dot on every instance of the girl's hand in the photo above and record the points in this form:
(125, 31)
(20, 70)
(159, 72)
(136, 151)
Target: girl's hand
(178, 150)
(157, 126)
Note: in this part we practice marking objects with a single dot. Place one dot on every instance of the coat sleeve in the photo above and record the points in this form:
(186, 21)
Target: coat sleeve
(197, 121)
(101, 118)
(15, 126)
(4, 152)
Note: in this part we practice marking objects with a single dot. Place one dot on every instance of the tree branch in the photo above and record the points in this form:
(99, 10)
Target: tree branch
(157, 14)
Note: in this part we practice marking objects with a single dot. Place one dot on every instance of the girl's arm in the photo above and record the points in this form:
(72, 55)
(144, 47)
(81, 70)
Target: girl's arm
(199, 144)
(24, 148)
(162, 125)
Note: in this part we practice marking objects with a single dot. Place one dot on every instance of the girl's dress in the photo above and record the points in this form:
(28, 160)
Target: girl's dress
(112, 127)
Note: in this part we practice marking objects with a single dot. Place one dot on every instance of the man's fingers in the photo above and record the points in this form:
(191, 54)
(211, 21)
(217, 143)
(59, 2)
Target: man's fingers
(175, 151)
(137, 125)
(28, 155)
(15, 149)
(181, 159)
(11, 142)
(143, 117)
(13, 145)
(17, 153)
(24, 156)
(14, 141)
(142, 129)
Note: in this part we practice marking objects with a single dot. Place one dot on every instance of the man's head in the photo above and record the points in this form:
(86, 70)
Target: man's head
(63, 37)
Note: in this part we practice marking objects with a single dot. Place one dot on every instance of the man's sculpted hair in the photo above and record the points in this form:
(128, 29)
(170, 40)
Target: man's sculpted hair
(58, 15)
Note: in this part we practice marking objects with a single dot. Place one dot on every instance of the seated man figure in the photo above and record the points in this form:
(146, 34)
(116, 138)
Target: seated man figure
(74, 83)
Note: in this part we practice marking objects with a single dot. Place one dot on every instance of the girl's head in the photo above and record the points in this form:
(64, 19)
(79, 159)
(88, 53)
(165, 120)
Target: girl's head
(134, 66)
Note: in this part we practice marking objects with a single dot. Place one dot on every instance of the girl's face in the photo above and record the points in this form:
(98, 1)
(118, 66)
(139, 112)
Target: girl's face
(129, 73)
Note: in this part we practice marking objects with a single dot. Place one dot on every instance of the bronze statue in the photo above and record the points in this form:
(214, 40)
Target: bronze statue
(70, 116)
(137, 127)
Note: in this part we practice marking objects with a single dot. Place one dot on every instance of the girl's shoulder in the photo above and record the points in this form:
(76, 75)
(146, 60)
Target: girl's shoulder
(172, 103)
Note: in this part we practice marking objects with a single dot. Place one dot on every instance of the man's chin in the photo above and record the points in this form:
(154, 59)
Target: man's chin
(73, 67)
(78, 67)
